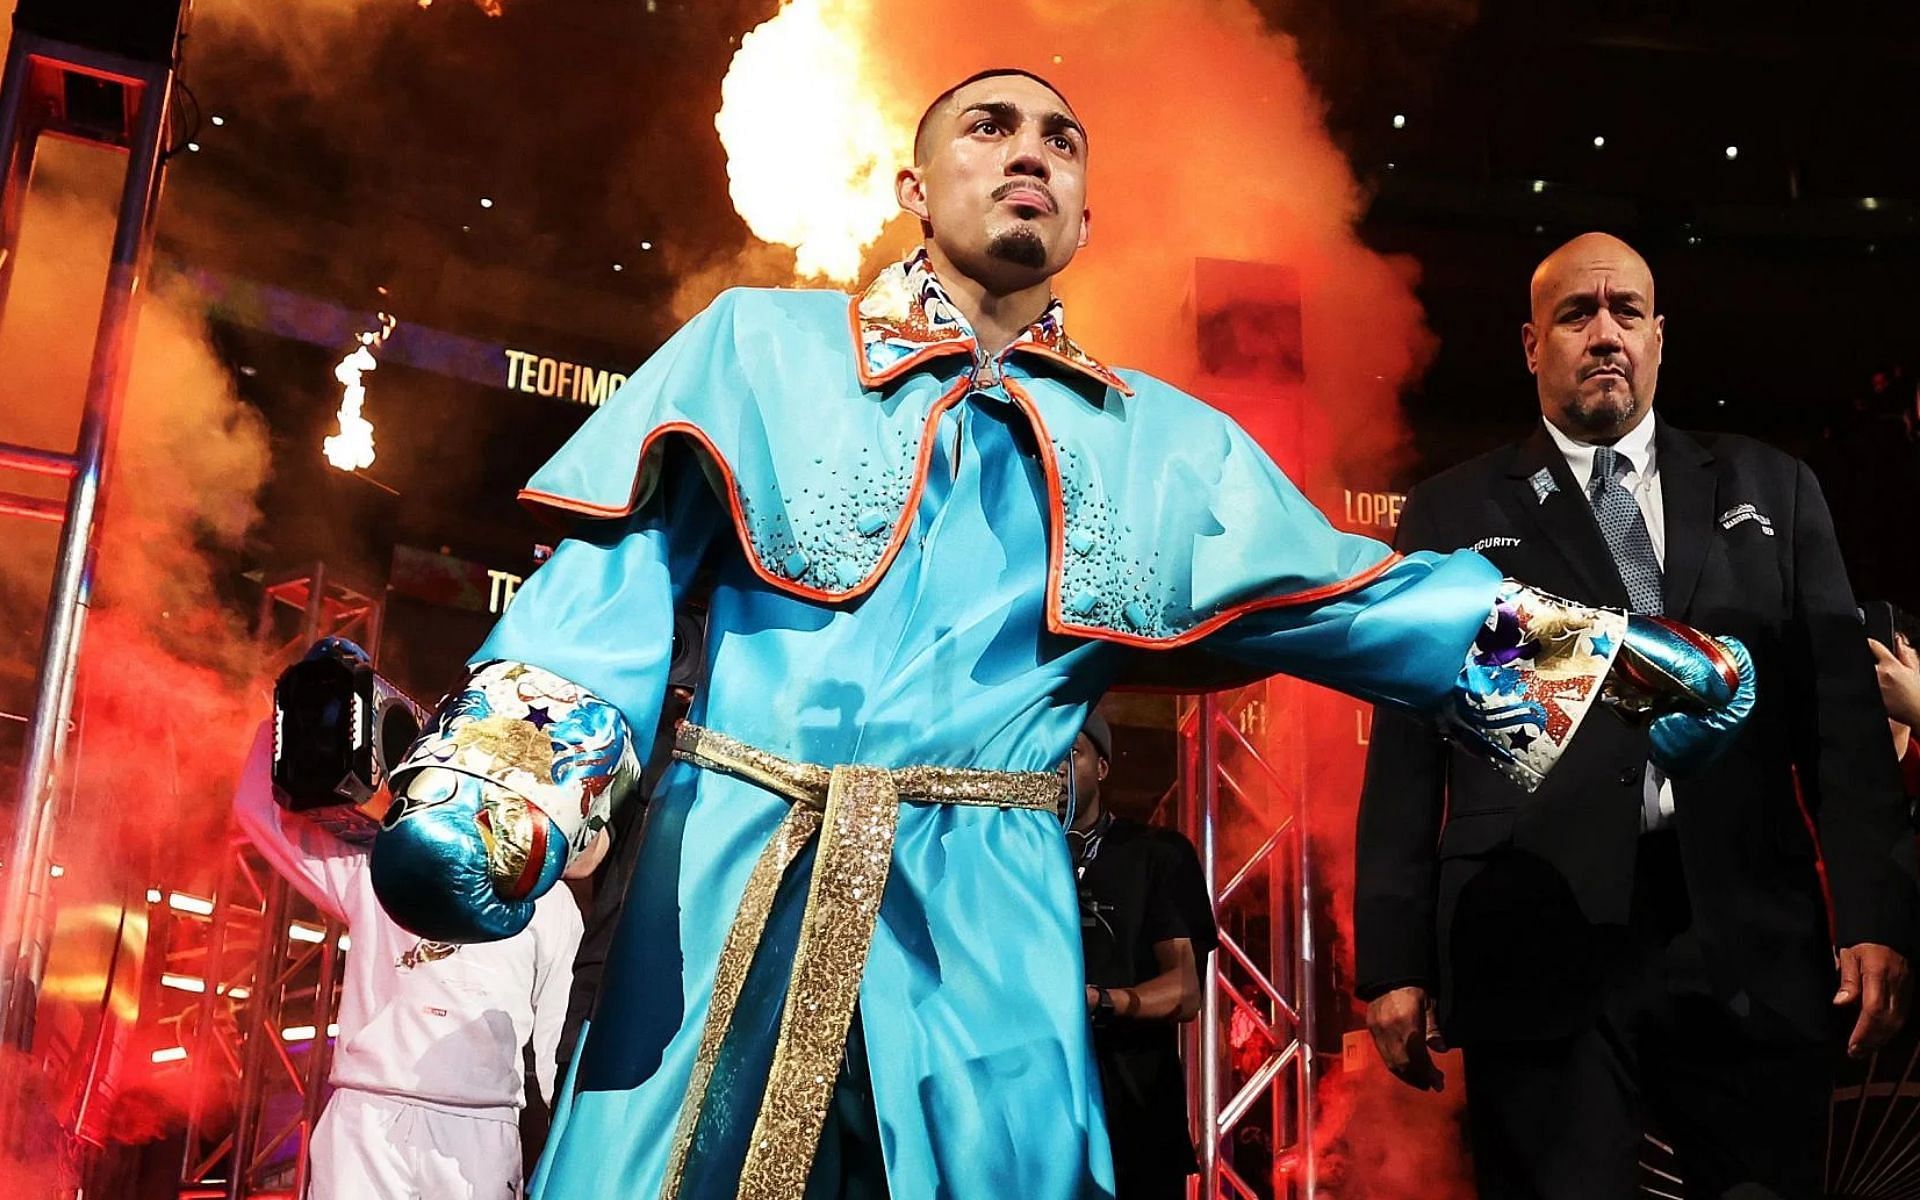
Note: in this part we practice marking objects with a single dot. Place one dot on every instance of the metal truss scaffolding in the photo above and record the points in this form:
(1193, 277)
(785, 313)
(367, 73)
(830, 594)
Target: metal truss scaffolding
(257, 968)
(258, 973)
(1250, 1055)
(57, 88)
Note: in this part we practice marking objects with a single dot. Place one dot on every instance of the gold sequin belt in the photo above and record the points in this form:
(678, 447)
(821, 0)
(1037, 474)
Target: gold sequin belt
(854, 810)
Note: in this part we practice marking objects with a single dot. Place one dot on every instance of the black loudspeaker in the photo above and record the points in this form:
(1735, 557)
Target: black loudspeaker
(337, 728)
(140, 29)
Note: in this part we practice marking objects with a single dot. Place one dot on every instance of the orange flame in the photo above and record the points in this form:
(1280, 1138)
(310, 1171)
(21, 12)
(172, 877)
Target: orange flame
(352, 448)
(810, 156)
(819, 102)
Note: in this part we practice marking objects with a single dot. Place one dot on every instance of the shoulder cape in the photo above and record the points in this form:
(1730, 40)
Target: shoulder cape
(812, 413)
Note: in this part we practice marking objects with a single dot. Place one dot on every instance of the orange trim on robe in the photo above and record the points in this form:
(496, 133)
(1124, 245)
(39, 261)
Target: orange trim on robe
(902, 524)
(1056, 563)
(544, 504)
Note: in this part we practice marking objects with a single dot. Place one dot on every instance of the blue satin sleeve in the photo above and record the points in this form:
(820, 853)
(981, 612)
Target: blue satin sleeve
(1510, 673)
(1402, 639)
(599, 613)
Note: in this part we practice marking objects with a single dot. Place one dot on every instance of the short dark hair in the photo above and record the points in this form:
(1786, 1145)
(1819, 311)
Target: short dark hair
(926, 118)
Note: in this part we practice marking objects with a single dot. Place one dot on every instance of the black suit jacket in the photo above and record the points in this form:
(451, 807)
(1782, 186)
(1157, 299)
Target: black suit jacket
(1507, 902)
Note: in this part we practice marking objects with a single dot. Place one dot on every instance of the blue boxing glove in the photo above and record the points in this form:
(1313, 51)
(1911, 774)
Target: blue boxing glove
(511, 783)
(460, 859)
(1697, 691)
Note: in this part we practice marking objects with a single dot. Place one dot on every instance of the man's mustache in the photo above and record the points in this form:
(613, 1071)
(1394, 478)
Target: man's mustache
(1027, 185)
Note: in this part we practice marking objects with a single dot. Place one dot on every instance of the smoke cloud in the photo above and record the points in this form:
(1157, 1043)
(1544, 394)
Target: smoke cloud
(1375, 1138)
(314, 44)
(167, 685)
(1382, 1140)
(190, 458)
(1378, 1138)
(1207, 141)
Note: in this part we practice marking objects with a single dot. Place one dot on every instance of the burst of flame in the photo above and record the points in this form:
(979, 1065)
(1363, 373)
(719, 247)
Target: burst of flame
(352, 448)
(810, 153)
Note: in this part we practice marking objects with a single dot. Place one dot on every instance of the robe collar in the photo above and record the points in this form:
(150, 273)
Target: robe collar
(905, 319)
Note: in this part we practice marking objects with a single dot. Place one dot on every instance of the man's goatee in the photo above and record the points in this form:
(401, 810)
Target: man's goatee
(1020, 246)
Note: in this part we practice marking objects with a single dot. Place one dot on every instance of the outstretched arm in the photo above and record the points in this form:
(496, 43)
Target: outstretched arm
(1508, 672)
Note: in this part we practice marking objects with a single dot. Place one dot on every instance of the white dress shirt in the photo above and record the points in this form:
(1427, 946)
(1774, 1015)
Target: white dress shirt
(1643, 481)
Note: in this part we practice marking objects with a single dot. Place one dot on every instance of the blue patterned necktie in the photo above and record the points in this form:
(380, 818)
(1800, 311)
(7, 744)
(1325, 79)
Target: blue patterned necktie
(1620, 519)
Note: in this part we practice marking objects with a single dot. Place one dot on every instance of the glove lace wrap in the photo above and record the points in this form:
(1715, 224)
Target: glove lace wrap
(1531, 676)
(552, 746)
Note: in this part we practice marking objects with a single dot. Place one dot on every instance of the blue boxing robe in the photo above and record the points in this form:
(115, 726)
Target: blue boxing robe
(924, 555)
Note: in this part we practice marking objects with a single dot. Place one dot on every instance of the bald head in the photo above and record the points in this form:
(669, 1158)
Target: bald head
(1575, 261)
(1593, 340)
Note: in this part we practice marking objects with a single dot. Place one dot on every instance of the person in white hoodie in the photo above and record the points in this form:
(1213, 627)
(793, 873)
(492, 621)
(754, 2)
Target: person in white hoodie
(428, 1073)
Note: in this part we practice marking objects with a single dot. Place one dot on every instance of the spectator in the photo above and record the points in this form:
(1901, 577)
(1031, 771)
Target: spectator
(1146, 926)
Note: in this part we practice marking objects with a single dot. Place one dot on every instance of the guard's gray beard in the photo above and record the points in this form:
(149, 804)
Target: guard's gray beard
(1020, 246)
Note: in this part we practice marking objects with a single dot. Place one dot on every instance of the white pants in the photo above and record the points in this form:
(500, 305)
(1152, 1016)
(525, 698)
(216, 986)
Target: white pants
(373, 1147)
